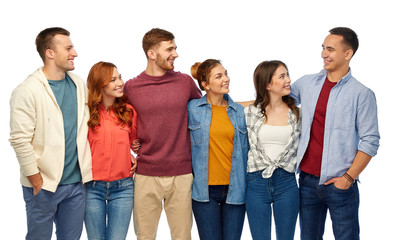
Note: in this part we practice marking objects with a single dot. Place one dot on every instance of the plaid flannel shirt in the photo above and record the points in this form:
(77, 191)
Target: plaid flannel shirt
(257, 159)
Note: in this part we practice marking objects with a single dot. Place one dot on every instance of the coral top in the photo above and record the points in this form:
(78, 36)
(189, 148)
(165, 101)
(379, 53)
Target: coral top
(111, 146)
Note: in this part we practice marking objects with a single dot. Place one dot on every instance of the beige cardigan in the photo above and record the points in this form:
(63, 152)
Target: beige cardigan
(37, 134)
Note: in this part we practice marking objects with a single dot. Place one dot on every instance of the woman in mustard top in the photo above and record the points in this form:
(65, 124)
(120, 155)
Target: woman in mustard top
(112, 128)
(219, 147)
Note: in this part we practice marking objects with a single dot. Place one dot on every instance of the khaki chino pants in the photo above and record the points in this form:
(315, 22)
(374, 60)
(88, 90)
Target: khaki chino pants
(174, 193)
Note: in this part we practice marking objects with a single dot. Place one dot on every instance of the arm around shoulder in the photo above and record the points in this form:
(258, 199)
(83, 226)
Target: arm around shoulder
(295, 92)
(247, 103)
(195, 92)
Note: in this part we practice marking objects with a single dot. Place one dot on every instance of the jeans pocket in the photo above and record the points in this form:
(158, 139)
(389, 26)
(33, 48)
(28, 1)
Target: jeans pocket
(127, 182)
(285, 173)
(89, 185)
(43, 197)
(339, 190)
(250, 177)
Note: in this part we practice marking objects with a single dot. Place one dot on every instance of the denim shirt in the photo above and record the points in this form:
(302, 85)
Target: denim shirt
(199, 119)
(351, 121)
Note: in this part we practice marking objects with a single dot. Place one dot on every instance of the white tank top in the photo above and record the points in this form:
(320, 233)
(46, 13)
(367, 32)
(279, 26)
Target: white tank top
(274, 139)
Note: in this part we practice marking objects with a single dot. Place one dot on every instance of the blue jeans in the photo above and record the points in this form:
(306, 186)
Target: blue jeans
(65, 208)
(108, 209)
(280, 193)
(217, 220)
(343, 206)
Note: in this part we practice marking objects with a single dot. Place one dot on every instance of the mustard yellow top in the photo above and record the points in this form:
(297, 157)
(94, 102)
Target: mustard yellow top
(221, 139)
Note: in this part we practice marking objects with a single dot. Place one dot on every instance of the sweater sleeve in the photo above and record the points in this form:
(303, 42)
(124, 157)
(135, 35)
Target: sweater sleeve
(133, 134)
(22, 125)
(195, 92)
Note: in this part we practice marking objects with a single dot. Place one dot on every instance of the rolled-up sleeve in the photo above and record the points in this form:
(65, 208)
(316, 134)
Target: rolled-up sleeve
(367, 123)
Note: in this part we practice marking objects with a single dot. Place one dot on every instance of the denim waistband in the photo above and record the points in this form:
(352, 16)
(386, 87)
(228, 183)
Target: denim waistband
(115, 183)
(310, 175)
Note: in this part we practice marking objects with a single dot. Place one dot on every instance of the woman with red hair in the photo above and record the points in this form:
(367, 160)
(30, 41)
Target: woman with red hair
(112, 128)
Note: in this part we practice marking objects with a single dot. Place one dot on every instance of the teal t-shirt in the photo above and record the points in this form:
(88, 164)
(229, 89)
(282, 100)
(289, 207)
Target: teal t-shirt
(66, 96)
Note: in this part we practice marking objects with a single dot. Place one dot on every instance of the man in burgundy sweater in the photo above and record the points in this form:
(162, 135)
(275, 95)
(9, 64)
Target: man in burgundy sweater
(164, 173)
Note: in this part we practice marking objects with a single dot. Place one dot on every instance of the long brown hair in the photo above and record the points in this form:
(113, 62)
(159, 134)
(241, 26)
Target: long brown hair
(262, 77)
(99, 76)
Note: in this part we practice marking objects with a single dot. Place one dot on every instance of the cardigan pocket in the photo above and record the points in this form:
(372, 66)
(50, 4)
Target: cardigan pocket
(195, 133)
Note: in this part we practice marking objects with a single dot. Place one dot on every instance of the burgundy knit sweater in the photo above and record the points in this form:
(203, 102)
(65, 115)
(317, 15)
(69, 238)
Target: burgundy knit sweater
(161, 106)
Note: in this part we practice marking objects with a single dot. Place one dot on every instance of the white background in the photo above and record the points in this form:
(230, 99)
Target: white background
(241, 34)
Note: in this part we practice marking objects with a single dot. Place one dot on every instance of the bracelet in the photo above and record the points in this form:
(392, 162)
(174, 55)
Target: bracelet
(349, 178)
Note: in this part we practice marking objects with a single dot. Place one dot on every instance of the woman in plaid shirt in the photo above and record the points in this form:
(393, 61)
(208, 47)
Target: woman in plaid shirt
(273, 129)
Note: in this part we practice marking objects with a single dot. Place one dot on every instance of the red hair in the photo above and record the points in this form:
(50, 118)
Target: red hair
(99, 76)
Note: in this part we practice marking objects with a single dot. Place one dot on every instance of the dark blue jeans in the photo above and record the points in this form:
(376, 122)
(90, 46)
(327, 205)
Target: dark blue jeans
(316, 199)
(217, 220)
(278, 193)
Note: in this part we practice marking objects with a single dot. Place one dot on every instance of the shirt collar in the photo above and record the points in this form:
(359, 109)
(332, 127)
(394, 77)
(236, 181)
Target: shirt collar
(231, 104)
(344, 79)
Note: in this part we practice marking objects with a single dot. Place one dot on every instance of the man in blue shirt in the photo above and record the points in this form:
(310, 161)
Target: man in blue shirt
(339, 137)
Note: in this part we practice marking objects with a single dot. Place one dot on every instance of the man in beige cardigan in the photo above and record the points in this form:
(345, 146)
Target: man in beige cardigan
(48, 121)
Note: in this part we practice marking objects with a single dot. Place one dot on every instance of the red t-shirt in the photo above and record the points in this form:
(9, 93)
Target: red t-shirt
(111, 146)
(161, 104)
(312, 160)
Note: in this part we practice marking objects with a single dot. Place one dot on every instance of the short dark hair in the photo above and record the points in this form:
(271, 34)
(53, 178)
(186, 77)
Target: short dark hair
(350, 37)
(154, 37)
(44, 39)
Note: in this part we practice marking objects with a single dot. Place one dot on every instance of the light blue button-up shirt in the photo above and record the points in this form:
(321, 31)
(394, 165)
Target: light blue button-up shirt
(351, 121)
(199, 120)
